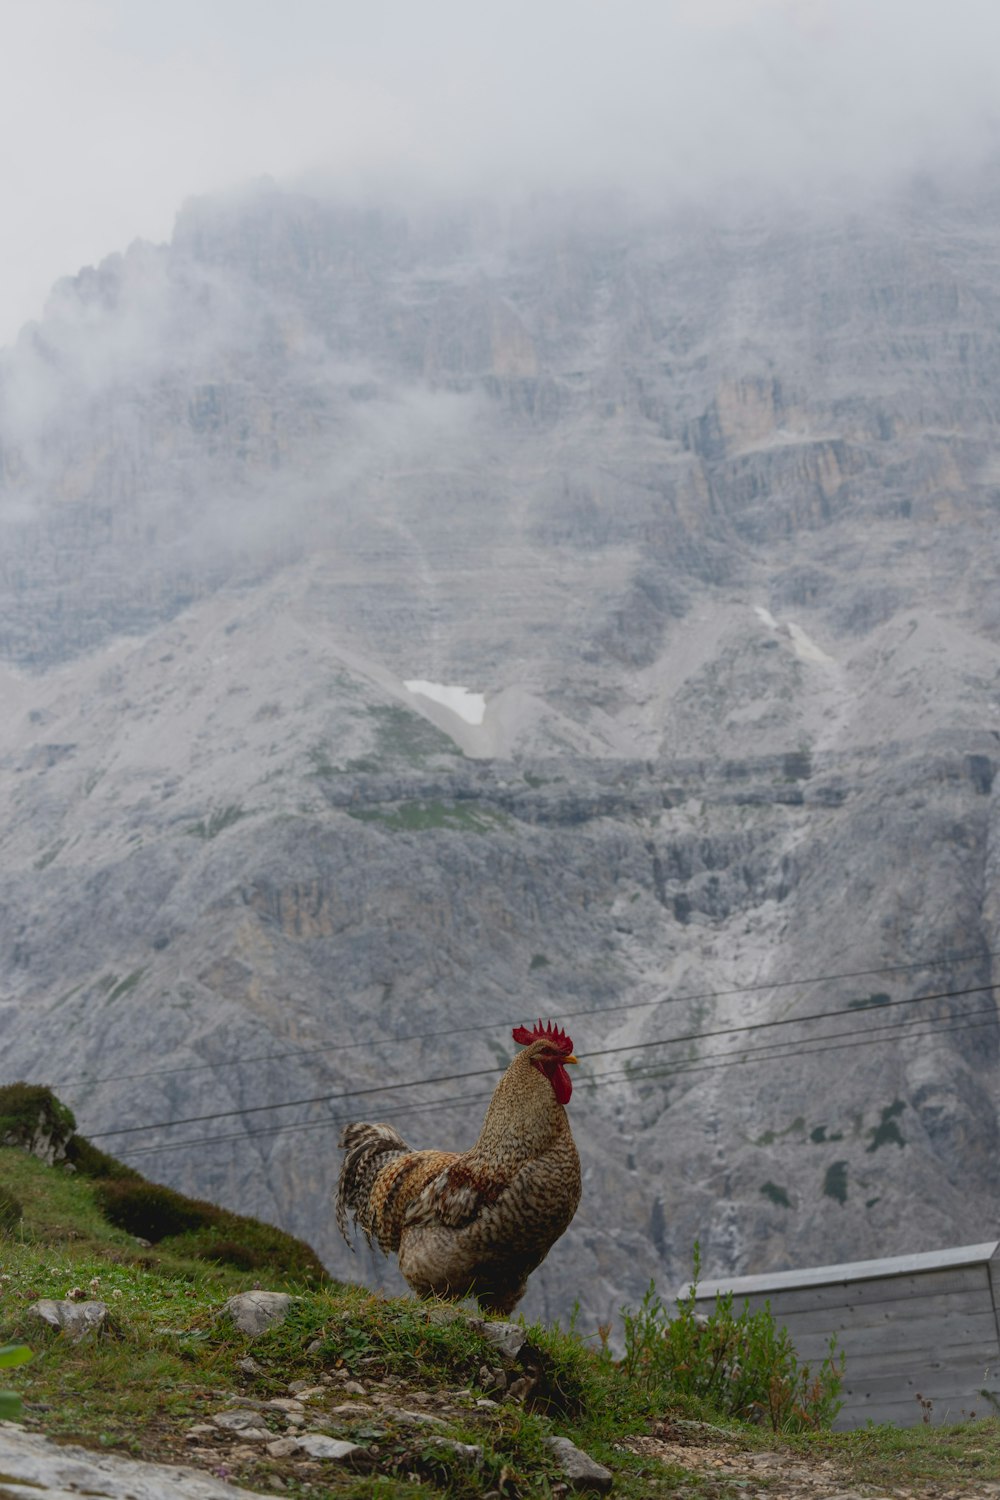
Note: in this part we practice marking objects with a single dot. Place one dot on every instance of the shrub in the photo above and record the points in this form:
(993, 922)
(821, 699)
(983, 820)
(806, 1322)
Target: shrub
(741, 1363)
(91, 1162)
(197, 1229)
(232, 1253)
(150, 1211)
(11, 1212)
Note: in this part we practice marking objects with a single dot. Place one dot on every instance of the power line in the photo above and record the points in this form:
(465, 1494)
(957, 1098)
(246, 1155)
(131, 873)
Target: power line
(743, 1058)
(561, 1016)
(816, 1015)
(388, 1088)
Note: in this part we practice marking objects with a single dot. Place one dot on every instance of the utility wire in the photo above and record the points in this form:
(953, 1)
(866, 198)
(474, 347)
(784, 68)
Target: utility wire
(566, 1015)
(743, 1058)
(387, 1088)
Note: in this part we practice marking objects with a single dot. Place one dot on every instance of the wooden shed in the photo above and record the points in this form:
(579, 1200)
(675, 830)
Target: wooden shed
(921, 1333)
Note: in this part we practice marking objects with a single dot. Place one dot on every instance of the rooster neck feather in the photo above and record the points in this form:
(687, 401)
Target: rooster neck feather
(524, 1116)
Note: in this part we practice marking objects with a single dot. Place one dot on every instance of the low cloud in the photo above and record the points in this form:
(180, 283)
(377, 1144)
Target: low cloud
(114, 111)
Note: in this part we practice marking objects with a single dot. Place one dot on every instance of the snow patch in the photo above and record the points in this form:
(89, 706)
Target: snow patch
(766, 616)
(805, 647)
(468, 705)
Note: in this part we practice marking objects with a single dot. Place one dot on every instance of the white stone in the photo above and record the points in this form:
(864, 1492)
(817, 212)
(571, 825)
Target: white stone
(578, 1468)
(255, 1312)
(507, 1338)
(76, 1319)
(318, 1445)
(238, 1421)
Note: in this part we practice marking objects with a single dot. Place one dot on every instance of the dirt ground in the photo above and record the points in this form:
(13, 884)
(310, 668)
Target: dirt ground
(769, 1475)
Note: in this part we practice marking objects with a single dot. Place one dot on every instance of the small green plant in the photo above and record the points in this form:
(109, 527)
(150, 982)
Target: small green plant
(887, 1131)
(835, 1181)
(12, 1355)
(741, 1363)
(881, 998)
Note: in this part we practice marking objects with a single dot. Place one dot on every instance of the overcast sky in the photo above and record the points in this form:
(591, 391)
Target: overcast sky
(113, 111)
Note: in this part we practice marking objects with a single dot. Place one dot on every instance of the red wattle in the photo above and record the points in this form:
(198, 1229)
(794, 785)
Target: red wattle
(560, 1081)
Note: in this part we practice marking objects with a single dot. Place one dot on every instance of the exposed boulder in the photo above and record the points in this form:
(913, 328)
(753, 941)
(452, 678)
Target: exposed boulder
(78, 1320)
(581, 1472)
(33, 1118)
(254, 1313)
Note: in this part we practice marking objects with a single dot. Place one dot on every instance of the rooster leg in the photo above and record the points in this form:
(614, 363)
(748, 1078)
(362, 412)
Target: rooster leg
(498, 1288)
(499, 1299)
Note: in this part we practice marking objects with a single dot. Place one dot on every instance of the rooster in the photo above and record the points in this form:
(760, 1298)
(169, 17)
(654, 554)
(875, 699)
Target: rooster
(479, 1222)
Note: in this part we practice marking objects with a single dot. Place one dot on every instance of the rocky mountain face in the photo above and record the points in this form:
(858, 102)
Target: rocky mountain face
(708, 514)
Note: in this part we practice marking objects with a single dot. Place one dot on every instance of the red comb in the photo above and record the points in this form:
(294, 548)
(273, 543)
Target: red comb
(539, 1033)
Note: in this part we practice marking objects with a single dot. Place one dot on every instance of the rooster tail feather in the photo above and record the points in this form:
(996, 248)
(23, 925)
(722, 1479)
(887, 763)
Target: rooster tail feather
(369, 1149)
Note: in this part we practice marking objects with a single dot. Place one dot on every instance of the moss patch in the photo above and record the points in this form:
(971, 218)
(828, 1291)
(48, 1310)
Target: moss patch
(421, 817)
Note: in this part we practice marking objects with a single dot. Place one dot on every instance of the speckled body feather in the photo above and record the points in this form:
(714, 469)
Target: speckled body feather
(479, 1222)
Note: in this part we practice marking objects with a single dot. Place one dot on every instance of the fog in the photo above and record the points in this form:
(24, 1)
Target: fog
(114, 111)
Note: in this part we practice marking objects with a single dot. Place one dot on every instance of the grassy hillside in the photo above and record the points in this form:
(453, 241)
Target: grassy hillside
(431, 1404)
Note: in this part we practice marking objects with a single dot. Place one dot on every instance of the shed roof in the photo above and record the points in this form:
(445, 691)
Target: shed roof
(854, 1270)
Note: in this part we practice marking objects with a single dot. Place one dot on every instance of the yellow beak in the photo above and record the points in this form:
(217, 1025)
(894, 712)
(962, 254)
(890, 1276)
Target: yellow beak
(570, 1059)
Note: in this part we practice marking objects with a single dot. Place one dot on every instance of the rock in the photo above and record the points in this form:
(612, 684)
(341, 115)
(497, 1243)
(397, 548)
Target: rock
(283, 1447)
(249, 1366)
(254, 1313)
(306, 1390)
(507, 1338)
(582, 1472)
(286, 1404)
(520, 1389)
(353, 1388)
(470, 1453)
(78, 1320)
(43, 1127)
(198, 1431)
(246, 1423)
(319, 1445)
(412, 1418)
(32, 1464)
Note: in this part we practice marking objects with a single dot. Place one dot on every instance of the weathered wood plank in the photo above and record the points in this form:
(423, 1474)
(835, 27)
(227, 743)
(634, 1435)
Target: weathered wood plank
(858, 1270)
(864, 1363)
(948, 1318)
(905, 1413)
(947, 1337)
(936, 1385)
(853, 1294)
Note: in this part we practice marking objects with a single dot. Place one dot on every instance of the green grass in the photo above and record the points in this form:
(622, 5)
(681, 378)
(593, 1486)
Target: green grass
(171, 1362)
(401, 740)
